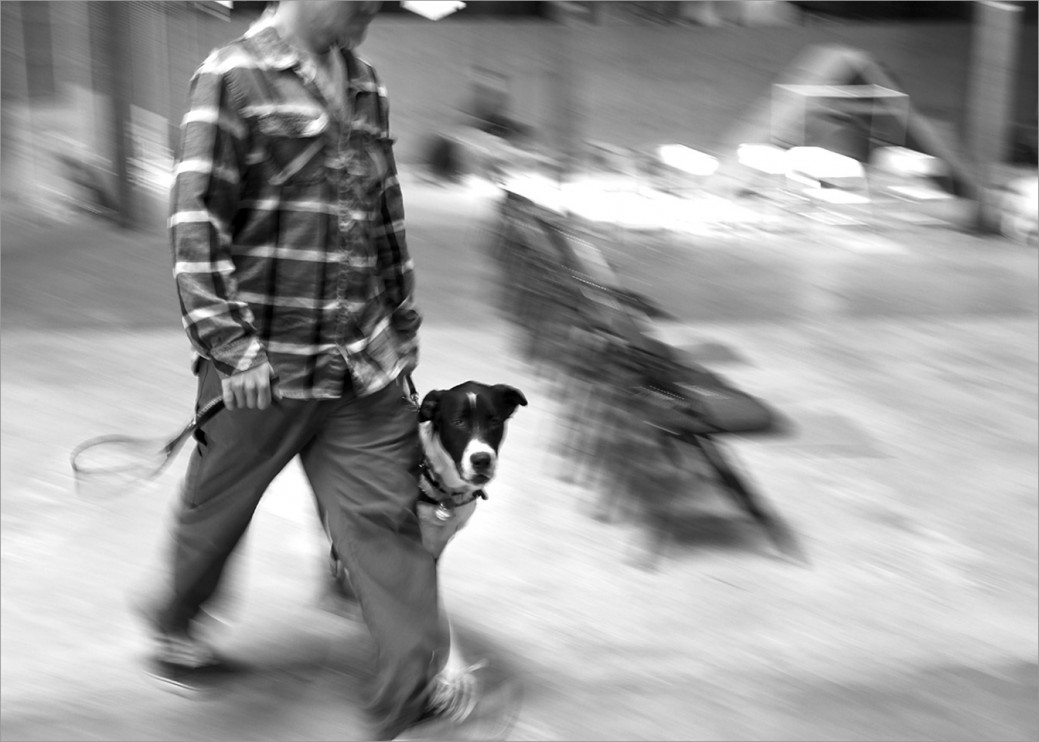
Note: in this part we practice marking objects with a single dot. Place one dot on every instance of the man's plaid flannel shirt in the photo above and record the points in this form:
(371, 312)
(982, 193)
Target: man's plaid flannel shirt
(287, 224)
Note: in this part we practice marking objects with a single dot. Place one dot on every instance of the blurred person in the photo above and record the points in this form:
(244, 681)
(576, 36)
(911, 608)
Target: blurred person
(296, 288)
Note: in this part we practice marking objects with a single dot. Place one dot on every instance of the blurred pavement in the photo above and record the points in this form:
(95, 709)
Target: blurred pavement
(907, 358)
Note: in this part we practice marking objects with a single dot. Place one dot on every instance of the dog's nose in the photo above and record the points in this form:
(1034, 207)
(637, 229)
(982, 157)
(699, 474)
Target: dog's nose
(480, 460)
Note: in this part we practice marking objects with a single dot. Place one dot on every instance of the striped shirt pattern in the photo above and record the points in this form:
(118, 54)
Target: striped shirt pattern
(286, 224)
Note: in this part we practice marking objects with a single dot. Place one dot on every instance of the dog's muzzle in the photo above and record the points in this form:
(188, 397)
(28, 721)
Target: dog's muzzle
(477, 466)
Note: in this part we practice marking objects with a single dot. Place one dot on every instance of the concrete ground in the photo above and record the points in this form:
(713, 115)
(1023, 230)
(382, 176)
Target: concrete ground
(905, 355)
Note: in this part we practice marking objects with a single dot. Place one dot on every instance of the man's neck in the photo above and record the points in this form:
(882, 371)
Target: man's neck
(292, 34)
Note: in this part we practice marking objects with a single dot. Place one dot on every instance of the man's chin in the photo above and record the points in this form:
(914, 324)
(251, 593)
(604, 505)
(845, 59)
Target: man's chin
(352, 42)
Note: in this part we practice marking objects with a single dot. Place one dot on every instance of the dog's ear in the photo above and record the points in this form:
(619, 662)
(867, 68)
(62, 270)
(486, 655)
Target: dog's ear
(511, 396)
(429, 406)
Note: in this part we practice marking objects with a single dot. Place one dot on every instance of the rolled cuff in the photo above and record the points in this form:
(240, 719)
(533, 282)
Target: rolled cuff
(238, 356)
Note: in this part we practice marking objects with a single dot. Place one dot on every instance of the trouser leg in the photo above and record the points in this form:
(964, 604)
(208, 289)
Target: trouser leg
(237, 455)
(363, 467)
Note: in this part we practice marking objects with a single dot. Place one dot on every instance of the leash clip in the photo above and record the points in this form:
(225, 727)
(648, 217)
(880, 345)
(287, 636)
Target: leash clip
(412, 391)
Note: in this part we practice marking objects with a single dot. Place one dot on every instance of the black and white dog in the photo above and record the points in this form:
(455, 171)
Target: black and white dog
(461, 430)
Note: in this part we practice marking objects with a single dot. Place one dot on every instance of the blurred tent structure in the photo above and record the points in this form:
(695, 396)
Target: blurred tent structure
(844, 100)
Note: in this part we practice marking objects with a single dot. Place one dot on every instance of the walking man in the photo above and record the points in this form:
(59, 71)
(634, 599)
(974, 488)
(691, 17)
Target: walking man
(296, 289)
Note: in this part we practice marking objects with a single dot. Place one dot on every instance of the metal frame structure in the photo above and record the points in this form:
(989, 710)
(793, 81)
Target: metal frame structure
(630, 402)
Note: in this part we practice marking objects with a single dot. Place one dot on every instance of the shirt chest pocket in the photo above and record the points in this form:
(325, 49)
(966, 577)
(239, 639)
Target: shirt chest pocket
(295, 146)
(367, 162)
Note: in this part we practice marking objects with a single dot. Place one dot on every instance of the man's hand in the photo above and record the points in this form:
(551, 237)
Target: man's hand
(253, 389)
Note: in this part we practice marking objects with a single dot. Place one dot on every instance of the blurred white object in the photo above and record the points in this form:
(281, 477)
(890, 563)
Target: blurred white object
(765, 158)
(907, 162)
(822, 165)
(614, 200)
(827, 176)
(432, 9)
(767, 165)
(1019, 210)
(909, 174)
(542, 190)
(687, 160)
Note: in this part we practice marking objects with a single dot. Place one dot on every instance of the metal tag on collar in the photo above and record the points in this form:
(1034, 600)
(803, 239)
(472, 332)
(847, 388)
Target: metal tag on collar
(444, 511)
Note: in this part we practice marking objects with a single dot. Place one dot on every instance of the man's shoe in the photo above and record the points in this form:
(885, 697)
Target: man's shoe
(454, 698)
(184, 650)
(175, 647)
(182, 660)
(465, 710)
(191, 681)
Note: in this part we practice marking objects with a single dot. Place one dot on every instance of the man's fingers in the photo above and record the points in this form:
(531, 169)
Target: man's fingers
(275, 386)
(251, 390)
(261, 382)
(229, 395)
(263, 395)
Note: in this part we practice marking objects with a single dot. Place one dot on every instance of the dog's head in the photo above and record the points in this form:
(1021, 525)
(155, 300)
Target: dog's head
(462, 429)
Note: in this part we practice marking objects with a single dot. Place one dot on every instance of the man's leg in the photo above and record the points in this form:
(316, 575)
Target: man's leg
(363, 467)
(238, 453)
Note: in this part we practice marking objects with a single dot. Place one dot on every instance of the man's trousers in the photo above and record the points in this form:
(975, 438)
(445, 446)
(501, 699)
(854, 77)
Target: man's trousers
(361, 456)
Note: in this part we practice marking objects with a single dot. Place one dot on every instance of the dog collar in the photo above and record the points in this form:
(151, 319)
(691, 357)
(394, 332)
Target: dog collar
(432, 491)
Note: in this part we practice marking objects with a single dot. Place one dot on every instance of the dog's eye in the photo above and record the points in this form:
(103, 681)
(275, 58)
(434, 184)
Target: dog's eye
(495, 421)
(459, 422)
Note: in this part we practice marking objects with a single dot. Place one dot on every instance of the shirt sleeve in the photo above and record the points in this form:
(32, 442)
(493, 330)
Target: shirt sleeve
(204, 200)
(395, 266)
